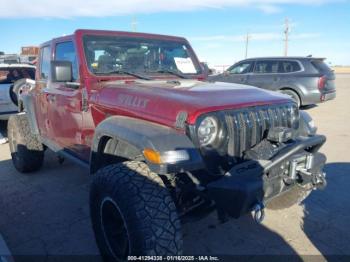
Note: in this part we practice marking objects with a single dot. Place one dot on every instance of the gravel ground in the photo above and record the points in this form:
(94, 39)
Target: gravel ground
(47, 213)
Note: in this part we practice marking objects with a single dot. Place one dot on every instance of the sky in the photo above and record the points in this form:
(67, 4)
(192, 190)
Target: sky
(216, 29)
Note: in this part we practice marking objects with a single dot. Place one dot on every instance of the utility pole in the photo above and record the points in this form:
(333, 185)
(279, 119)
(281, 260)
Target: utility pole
(247, 45)
(134, 24)
(286, 37)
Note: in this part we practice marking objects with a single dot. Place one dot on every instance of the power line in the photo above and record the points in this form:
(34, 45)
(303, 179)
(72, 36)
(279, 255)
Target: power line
(247, 45)
(134, 24)
(286, 36)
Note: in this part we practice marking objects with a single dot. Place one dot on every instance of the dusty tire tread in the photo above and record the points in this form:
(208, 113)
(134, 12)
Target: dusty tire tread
(150, 212)
(29, 156)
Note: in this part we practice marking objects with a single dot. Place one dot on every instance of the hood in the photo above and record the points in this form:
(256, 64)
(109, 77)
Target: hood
(162, 101)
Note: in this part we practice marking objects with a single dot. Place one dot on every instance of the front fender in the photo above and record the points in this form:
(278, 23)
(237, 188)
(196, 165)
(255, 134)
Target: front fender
(141, 134)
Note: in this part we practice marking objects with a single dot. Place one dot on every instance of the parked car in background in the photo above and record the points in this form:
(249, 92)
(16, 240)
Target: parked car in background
(12, 76)
(308, 80)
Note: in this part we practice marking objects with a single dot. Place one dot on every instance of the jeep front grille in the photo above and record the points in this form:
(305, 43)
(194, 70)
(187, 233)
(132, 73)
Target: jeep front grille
(246, 128)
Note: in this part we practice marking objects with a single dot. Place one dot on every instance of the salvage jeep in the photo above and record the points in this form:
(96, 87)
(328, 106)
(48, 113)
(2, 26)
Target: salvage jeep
(164, 145)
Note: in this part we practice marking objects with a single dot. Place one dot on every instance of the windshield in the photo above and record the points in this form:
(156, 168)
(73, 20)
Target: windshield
(113, 54)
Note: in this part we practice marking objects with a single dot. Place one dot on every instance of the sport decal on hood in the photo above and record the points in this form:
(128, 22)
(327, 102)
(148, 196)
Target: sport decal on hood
(132, 101)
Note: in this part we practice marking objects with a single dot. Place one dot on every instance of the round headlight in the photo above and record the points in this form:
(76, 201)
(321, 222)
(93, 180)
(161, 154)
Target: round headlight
(208, 131)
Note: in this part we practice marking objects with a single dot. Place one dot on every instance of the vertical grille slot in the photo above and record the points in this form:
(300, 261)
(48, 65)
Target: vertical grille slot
(234, 133)
(284, 116)
(255, 130)
(248, 130)
(231, 134)
(242, 133)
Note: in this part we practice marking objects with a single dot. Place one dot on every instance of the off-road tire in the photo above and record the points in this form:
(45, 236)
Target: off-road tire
(294, 196)
(143, 210)
(293, 95)
(27, 151)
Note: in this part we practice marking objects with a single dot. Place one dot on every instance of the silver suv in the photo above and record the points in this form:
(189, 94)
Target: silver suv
(307, 80)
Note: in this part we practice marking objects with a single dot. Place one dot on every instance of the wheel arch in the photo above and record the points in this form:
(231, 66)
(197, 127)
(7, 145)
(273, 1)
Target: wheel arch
(296, 90)
(112, 150)
(17, 89)
(120, 138)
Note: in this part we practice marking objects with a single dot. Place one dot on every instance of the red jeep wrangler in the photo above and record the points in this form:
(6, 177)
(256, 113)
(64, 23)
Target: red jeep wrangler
(163, 144)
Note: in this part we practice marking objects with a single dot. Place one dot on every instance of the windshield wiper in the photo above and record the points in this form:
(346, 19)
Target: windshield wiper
(172, 72)
(126, 72)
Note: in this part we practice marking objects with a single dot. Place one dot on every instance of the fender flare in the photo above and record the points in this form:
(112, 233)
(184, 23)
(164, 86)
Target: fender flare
(28, 106)
(141, 134)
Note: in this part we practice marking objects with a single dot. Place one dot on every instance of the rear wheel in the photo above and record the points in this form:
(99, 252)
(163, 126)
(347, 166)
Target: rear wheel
(293, 95)
(27, 151)
(133, 213)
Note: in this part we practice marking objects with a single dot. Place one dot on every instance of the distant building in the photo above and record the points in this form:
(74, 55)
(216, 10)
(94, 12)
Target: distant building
(29, 55)
(30, 50)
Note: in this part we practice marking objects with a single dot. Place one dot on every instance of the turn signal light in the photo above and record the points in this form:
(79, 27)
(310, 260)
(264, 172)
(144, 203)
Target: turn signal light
(168, 157)
(152, 156)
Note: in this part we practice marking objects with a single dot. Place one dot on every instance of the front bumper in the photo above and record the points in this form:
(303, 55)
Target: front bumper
(257, 181)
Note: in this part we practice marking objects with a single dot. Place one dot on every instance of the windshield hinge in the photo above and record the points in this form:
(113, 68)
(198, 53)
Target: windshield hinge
(84, 100)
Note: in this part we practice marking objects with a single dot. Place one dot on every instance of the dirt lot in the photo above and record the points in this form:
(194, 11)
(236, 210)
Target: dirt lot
(47, 213)
(341, 69)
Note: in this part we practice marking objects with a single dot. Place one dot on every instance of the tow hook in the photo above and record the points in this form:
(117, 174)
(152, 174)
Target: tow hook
(319, 181)
(258, 213)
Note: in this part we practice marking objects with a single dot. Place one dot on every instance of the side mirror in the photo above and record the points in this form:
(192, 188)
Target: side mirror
(61, 71)
(226, 73)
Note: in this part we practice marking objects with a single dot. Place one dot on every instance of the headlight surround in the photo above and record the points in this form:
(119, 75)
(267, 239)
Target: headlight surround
(208, 131)
(307, 126)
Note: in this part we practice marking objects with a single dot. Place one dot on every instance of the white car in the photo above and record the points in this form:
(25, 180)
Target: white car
(9, 74)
